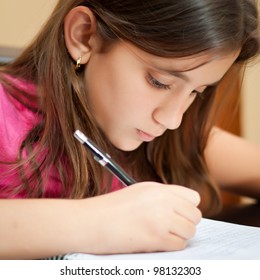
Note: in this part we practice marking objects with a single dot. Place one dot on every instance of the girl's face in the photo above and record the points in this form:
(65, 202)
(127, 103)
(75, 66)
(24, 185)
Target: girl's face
(135, 96)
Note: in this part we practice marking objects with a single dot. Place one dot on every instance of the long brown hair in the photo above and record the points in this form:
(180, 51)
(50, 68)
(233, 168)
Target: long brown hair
(164, 28)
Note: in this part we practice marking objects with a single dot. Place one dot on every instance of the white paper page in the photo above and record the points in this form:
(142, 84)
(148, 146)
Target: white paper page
(213, 240)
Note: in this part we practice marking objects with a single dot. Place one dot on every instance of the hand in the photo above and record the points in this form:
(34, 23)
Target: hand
(145, 217)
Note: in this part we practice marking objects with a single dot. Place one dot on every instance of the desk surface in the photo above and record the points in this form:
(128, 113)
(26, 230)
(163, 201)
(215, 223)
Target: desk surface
(244, 214)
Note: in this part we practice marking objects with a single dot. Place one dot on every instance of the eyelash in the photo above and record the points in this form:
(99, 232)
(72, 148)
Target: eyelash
(157, 84)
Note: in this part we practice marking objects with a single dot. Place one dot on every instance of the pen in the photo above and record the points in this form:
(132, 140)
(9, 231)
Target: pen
(104, 159)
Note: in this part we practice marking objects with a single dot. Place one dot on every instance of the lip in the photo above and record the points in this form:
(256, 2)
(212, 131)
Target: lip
(144, 136)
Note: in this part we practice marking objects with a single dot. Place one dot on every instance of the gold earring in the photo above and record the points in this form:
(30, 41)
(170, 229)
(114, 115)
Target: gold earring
(78, 63)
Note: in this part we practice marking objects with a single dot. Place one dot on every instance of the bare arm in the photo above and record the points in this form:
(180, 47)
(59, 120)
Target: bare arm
(142, 218)
(37, 228)
(234, 162)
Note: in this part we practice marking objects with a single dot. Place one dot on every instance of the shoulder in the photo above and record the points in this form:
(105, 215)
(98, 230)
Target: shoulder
(232, 160)
(16, 120)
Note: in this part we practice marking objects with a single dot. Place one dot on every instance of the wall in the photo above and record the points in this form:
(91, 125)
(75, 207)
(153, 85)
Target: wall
(20, 20)
(251, 103)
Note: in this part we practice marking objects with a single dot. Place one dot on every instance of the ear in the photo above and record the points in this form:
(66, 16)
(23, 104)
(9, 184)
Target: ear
(80, 33)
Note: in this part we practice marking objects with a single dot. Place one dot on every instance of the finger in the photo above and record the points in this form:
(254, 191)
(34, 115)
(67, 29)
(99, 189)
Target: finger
(173, 243)
(182, 227)
(186, 193)
(186, 210)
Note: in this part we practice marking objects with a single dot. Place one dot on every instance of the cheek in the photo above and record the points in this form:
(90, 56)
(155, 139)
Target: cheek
(189, 102)
(99, 84)
(116, 90)
(111, 96)
(123, 92)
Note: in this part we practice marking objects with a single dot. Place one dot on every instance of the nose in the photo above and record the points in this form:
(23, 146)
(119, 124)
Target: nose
(169, 121)
(170, 114)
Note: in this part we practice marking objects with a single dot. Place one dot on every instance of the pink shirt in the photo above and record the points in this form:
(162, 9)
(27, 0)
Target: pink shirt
(15, 122)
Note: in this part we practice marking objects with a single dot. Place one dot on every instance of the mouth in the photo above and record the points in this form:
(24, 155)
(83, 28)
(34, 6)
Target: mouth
(144, 136)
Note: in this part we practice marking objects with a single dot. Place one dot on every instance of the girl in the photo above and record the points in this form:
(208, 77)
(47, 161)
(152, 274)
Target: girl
(138, 78)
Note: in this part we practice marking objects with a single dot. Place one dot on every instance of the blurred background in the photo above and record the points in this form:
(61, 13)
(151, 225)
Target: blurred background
(20, 21)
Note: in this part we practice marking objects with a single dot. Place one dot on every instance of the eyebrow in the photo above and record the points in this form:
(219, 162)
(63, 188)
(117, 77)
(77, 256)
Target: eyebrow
(182, 76)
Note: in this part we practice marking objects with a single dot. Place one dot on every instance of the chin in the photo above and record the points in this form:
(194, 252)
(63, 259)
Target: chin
(127, 146)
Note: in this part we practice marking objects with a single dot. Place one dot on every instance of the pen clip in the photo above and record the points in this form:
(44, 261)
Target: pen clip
(104, 159)
(100, 160)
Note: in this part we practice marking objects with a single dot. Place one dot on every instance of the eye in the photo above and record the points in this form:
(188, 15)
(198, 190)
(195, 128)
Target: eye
(196, 93)
(157, 84)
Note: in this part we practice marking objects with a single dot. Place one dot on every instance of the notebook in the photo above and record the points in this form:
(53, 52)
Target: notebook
(214, 240)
